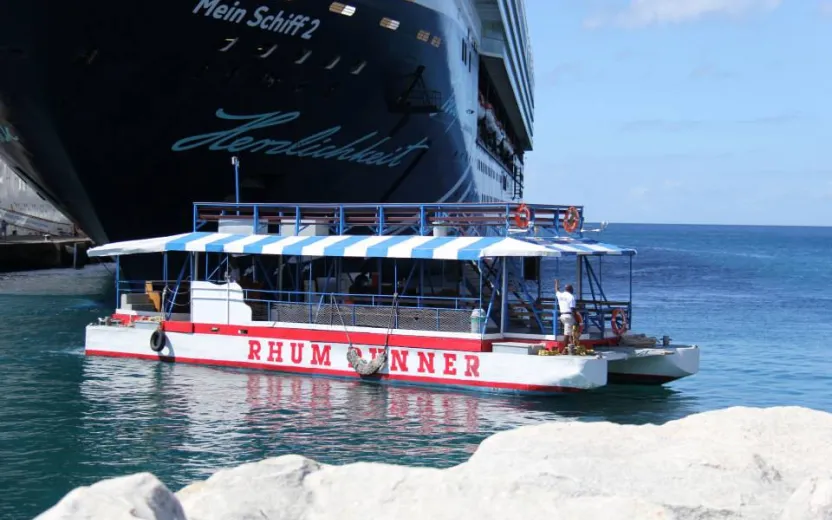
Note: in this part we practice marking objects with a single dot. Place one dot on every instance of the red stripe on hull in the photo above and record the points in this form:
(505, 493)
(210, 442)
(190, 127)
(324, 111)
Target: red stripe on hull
(432, 381)
(325, 336)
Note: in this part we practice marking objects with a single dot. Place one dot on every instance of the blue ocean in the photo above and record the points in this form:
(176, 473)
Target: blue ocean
(755, 299)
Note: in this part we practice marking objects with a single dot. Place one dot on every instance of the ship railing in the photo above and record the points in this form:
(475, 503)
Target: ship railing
(358, 315)
(511, 169)
(416, 312)
(409, 312)
(471, 219)
(597, 315)
(373, 299)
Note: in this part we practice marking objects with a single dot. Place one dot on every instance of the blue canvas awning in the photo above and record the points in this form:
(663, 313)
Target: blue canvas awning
(361, 246)
(582, 247)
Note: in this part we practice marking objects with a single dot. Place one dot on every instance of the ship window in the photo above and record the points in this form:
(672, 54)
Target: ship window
(265, 51)
(338, 7)
(389, 24)
(229, 42)
(423, 35)
(303, 57)
(333, 63)
(358, 67)
(436, 41)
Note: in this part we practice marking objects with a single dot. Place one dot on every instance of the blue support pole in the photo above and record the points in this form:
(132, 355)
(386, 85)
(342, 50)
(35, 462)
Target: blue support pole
(170, 304)
(479, 268)
(118, 277)
(630, 299)
(381, 221)
(379, 276)
(421, 281)
(504, 297)
(236, 162)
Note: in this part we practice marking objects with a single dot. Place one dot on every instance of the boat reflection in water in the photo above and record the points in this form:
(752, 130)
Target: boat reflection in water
(183, 422)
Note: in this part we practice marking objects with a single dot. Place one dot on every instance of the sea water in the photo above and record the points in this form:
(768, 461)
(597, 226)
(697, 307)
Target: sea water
(755, 299)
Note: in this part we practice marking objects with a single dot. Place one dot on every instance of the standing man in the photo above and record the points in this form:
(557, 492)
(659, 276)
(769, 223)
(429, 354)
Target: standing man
(568, 311)
(4, 226)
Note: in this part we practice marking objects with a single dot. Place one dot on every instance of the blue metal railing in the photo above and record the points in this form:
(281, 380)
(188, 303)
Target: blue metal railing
(369, 299)
(447, 314)
(385, 219)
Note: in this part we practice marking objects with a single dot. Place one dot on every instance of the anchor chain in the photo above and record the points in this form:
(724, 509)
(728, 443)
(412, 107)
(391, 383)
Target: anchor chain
(362, 366)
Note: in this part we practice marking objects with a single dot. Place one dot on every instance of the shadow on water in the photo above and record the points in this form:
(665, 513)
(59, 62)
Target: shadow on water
(621, 404)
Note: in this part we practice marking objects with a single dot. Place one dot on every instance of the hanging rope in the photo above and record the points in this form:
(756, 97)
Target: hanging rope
(362, 366)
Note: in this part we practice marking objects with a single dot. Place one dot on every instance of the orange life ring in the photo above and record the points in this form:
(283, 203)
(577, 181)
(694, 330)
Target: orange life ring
(619, 330)
(522, 222)
(571, 220)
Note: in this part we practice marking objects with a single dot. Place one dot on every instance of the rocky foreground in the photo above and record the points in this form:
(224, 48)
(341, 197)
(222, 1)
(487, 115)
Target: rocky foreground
(747, 463)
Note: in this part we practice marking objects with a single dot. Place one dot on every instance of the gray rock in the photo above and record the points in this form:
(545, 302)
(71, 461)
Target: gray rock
(139, 496)
(739, 463)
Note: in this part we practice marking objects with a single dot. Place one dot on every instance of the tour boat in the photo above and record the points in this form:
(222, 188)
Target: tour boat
(449, 295)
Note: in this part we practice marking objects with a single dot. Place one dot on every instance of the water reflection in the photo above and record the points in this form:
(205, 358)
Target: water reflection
(203, 418)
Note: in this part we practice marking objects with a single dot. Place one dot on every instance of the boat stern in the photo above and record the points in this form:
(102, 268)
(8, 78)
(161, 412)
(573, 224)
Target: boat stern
(652, 365)
(530, 371)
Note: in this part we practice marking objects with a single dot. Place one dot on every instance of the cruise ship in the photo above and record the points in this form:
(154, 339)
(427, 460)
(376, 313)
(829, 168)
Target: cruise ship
(121, 114)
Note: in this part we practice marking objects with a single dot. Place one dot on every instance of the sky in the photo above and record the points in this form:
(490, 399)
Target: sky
(683, 111)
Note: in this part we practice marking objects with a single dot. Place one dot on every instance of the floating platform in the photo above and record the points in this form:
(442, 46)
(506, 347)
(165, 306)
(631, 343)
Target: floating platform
(449, 295)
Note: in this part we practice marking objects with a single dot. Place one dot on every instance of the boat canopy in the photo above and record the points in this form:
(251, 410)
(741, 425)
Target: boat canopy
(363, 246)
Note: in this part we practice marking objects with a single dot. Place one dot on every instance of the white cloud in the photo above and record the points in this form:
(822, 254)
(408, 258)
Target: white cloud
(641, 13)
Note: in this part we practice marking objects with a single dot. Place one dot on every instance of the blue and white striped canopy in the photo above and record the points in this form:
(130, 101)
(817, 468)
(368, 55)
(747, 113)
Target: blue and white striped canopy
(362, 246)
(581, 246)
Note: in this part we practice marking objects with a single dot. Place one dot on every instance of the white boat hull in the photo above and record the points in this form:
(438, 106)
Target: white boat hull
(308, 351)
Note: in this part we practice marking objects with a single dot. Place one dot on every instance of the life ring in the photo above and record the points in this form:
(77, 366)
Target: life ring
(522, 221)
(571, 220)
(619, 329)
(157, 340)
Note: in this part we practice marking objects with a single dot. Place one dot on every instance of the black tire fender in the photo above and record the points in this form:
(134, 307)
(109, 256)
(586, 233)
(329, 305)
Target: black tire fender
(157, 340)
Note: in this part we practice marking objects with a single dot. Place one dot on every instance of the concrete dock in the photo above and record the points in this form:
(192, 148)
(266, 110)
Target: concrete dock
(26, 252)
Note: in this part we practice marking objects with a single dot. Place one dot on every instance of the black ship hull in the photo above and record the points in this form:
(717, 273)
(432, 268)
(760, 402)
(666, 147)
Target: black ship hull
(122, 114)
